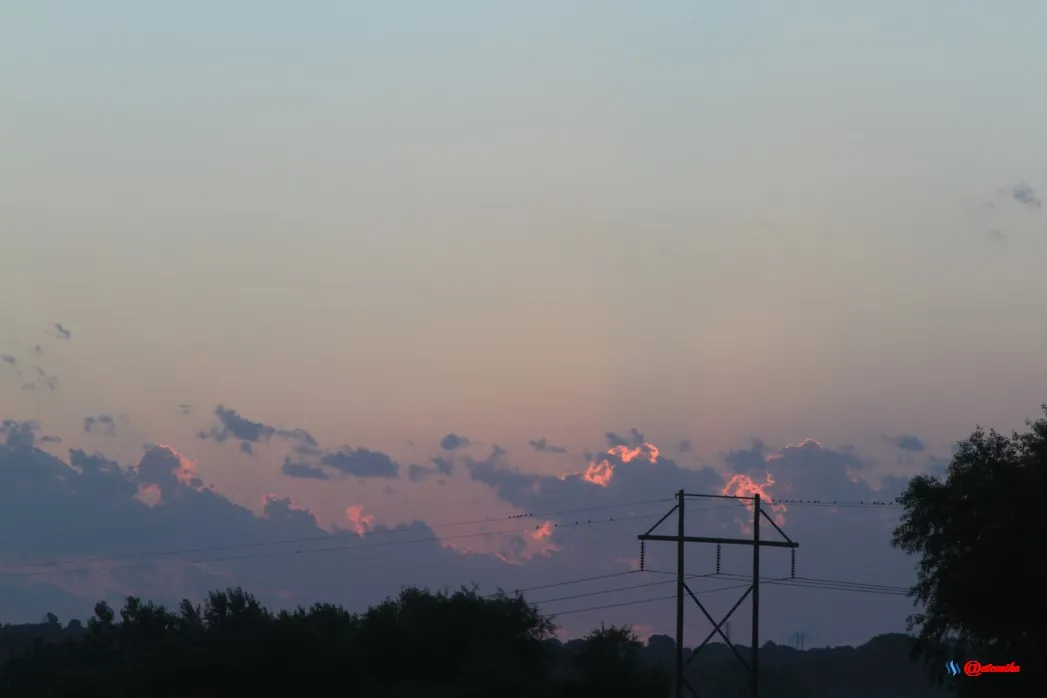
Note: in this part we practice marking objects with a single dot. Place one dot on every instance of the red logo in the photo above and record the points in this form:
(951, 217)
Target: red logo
(976, 668)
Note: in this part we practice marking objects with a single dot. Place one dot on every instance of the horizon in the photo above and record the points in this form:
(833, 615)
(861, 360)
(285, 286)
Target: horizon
(458, 287)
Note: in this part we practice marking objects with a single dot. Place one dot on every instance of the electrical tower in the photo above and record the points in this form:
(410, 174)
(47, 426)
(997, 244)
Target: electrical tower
(681, 586)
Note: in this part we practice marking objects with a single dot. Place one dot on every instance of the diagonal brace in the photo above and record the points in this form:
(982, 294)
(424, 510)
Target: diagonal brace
(660, 521)
(776, 526)
(717, 626)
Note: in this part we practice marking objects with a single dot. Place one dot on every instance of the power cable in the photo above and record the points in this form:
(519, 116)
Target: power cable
(329, 537)
(782, 581)
(340, 548)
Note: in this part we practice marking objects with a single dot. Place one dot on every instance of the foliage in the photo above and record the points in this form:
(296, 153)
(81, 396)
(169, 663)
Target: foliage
(978, 533)
(418, 645)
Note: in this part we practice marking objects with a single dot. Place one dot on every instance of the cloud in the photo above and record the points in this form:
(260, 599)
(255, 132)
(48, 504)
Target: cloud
(283, 509)
(168, 470)
(184, 409)
(41, 381)
(635, 438)
(1025, 195)
(543, 446)
(442, 466)
(293, 468)
(361, 462)
(453, 442)
(8, 359)
(19, 434)
(113, 530)
(906, 442)
(231, 425)
(361, 523)
(60, 332)
(103, 423)
(309, 460)
(685, 446)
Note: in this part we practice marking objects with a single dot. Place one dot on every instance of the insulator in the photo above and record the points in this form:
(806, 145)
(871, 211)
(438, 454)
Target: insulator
(642, 555)
(719, 551)
(792, 571)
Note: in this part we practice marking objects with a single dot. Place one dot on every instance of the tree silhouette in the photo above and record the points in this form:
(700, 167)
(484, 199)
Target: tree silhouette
(979, 533)
(419, 644)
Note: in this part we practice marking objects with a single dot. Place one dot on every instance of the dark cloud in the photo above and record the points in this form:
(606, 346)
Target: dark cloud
(164, 467)
(747, 461)
(444, 466)
(60, 332)
(310, 459)
(441, 466)
(42, 381)
(1025, 195)
(231, 425)
(8, 359)
(283, 510)
(636, 479)
(361, 462)
(103, 423)
(417, 472)
(906, 442)
(19, 434)
(635, 438)
(99, 513)
(184, 410)
(453, 442)
(543, 446)
(996, 234)
(685, 446)
(293, 468)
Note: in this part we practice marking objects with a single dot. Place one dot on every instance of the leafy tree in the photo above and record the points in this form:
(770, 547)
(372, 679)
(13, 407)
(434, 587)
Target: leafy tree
(979, 533)
(419, 644)
(610, 665)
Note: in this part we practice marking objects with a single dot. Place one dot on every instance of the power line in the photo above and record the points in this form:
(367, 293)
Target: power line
(572, 581)
(779, 581)
(836, 504)
(340, 548)
(838, 585)
(620, 589)
(641, 601)
(383, 532)
(821, 580)
(335, 536)
(858, 586)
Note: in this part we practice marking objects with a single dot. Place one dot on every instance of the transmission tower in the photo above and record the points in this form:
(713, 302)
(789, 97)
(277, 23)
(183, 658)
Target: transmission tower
(682, 589)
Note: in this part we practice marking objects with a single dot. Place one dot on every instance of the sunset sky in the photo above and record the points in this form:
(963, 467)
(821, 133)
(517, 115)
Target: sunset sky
(805, 240)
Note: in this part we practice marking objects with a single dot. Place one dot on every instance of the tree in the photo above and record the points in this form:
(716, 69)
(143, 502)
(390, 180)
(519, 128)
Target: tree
(609, 665)
(979, 533)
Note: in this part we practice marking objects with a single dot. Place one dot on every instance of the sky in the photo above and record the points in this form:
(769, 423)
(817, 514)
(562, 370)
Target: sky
(805, 241)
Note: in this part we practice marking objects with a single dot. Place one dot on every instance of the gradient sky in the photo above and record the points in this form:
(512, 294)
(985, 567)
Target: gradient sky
(384, 222)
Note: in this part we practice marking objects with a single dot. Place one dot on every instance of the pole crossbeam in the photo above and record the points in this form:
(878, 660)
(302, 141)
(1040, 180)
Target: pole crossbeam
(681, 539)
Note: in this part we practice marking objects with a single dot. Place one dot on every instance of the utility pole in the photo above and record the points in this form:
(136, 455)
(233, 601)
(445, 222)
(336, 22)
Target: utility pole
(756, 596)
(681, 586)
